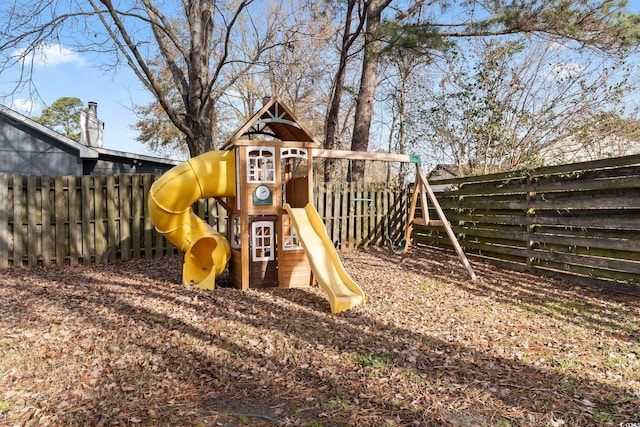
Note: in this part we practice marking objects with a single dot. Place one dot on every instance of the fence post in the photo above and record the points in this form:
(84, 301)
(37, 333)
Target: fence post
(88, 228)
(530, 227)
(462, 237)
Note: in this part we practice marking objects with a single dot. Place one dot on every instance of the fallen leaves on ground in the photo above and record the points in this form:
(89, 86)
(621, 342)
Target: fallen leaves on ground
(125, 344)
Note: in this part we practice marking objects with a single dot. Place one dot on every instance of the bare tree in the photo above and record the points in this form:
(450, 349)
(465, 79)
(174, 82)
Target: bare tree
(604, 134)
(196, 40)
(354, 19)
(508, 105)
(603, 25)
(372, 51)
(207, 45)
(295, 70)
(402, 71)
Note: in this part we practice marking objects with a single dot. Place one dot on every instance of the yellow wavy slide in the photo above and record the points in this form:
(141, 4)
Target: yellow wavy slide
(206, 252)
(343, 293)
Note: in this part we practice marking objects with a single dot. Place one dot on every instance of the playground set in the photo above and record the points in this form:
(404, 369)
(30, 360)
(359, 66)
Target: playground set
(275, 237)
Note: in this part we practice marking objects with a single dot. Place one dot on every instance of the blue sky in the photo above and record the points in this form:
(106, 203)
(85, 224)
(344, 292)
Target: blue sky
(64, 73)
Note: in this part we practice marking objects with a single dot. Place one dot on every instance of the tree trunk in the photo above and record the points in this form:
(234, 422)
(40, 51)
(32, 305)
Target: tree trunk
(368, 81)
(402, 113)
(331, 124)
(199, 108)
(333, 114)
(202, 130)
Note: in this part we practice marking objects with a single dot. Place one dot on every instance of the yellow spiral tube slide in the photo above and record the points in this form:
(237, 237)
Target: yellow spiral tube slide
(206, 252)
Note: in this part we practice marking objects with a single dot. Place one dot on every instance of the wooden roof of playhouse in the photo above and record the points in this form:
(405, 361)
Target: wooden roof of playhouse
(273, 120)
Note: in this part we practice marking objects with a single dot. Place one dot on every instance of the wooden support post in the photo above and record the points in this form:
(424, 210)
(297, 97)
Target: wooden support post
(463, 258)
(411, 218)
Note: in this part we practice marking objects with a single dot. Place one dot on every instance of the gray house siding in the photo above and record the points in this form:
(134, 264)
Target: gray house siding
(23, 150)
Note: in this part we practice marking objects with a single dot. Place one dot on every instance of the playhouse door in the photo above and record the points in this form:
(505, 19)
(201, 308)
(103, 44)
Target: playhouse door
(264, 264)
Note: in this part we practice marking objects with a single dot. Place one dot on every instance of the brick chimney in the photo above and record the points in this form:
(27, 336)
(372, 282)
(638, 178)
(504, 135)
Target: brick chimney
(91, 127)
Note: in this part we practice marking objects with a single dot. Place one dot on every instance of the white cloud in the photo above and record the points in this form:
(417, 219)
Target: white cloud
(49, 55)
(562, 70)
(24, 105)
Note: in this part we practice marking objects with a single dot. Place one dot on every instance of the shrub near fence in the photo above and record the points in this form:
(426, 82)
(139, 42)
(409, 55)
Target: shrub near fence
(578, 221)
(102, 219)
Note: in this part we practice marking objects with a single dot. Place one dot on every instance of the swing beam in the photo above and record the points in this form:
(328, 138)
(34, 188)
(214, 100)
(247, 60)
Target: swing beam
(422, 189)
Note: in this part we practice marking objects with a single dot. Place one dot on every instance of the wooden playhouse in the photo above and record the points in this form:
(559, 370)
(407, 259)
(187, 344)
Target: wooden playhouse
(273, 167)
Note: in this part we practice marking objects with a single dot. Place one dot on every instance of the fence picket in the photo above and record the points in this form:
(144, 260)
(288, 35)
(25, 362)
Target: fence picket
(75, 230)
(47, 235)
(148, 228)
(88, 226)
(137, 211)
(112, 218)
(379, 218)
(344, 215)
(358, 208)
(60, 218)
(124, 192)
(351, 232)
(335, 216)
(17, 218)
(366, 210)
(99, 193)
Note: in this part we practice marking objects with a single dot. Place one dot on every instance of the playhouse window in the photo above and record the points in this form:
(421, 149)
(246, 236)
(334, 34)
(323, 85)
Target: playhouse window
(294, 152)
(290, 240)
(263, 241)
(261, 165)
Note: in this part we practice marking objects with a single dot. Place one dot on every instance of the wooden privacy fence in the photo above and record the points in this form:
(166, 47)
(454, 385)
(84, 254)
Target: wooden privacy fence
(82, 219)
(101, 219)
(361, 214)
(578, 221)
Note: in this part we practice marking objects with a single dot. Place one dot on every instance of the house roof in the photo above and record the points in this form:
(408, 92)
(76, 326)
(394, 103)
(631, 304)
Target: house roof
(84, 151)
(276, 120)
(444, 169)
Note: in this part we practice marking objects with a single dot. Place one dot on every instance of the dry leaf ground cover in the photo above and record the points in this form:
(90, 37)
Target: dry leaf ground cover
(125, 344)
